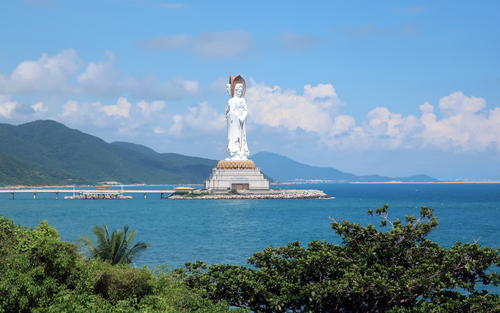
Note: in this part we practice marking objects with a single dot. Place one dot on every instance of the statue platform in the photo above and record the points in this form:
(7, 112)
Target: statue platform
(236, 175)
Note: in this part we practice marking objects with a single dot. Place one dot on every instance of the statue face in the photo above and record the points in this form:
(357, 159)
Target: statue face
(238, 90)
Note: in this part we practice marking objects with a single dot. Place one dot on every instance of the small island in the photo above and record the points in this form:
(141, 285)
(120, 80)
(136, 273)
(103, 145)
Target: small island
(201, 194)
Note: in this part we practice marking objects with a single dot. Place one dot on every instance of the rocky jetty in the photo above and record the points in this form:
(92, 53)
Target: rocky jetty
(246, 194)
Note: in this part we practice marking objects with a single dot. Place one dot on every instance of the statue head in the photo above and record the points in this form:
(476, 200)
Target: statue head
(237, 82)
(238, 90)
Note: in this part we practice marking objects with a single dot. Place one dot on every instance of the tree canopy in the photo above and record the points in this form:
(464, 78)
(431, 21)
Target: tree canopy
(373, 269)
(39, 273)
(398, 270)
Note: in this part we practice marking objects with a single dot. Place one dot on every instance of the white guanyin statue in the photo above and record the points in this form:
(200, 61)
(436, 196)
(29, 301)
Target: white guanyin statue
(236, 172)
(236, 115)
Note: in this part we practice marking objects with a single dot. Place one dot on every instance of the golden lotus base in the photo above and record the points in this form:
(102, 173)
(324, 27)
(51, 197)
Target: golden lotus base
(236, 175)
(235, 165)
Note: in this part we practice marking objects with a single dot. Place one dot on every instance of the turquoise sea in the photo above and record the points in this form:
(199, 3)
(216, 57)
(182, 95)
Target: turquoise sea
(229, 231)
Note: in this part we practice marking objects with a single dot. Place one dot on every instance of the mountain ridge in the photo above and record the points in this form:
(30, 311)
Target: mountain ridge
(80, 158)
(48, 152)
(282, 168)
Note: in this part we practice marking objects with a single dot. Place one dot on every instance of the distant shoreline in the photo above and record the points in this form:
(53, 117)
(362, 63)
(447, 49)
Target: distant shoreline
(275, 184)
(390, 182)
(433, 182)
(90, 186)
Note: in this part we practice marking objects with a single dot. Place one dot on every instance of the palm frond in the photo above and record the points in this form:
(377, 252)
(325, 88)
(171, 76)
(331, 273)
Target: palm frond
(136, 250)
(115, 248)
(87, 244)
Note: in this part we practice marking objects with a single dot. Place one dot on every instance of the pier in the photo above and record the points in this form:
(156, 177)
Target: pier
(88, 193)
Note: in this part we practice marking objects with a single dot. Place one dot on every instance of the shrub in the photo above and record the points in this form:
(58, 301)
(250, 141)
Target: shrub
(371, 271)
(40, 273)
(124, 282)
(34, 266)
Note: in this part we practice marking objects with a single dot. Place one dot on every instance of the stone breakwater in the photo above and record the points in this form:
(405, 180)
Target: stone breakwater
(272, 194)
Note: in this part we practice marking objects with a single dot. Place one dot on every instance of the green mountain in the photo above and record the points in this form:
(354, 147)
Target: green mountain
(283, 169)
(13, 172)
(49, 152)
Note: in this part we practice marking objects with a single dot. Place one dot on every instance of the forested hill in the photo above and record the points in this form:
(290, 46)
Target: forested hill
(47, 152)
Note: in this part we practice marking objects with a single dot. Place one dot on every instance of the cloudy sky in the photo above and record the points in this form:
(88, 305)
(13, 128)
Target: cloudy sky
(393, 87)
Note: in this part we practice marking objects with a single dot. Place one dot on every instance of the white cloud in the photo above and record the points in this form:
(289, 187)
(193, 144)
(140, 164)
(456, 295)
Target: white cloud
(426, 107)
(159, 130)
(46, 74)
(458, 103)
(342, 124)
(120, 109)
(6, 106)
(457, 122)
(151, 107)
(39, 107)
(394, 130)
(313, 111)
(152, 88)
(124, 118)
(61, 75)
(464, 125)
(69, 108)
(461, 124)
(222, 44)
(383, 122)
(101, 78)
(105, 79)
(200, 119)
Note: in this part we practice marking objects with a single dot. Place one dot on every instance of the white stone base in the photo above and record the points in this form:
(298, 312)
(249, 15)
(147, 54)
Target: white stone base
(223, 179)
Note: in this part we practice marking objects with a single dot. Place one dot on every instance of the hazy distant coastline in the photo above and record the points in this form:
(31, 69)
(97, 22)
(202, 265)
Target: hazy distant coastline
(274, 184)
(390, 182)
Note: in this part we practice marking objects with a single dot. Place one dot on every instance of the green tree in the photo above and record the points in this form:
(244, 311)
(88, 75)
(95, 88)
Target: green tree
(35, 265)
(40, 273)
(398, 270)
(116, 248)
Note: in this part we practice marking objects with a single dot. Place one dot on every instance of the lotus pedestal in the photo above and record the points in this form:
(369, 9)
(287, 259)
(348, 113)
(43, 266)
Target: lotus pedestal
(236, 175)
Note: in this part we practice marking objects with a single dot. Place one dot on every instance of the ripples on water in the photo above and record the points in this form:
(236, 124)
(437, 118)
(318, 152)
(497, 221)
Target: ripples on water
(229, 231)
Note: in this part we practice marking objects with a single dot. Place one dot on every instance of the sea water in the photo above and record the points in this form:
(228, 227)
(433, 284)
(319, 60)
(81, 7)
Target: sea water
(229, 231)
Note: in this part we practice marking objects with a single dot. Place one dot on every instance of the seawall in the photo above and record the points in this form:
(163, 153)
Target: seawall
(272, 194)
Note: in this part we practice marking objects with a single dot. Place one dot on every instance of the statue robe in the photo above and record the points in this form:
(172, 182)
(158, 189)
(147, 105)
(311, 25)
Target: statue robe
(236, 114)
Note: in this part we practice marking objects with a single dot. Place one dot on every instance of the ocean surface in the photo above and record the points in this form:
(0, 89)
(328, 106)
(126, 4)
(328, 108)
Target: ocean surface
(229, 231)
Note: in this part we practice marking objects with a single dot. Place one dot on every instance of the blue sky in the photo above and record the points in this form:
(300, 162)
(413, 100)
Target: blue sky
(393, 87)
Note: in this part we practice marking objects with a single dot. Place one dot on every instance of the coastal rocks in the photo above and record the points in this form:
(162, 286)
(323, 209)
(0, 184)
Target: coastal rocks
(246, 194)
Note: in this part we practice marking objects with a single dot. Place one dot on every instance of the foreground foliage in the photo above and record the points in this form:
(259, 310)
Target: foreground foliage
(398, 270)
(116, 248)
(42, 274)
